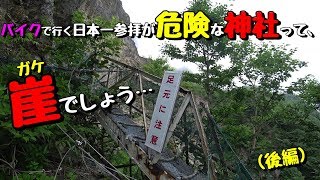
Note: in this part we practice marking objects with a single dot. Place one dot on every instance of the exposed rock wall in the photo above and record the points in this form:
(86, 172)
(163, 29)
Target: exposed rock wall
(59, 12)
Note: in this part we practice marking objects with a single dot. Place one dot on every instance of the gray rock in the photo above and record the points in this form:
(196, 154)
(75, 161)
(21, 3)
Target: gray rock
(59, 12)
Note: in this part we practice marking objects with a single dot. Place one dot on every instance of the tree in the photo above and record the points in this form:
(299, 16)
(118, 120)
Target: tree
(157, 66)
(255, 111)
(307, 88)
(43, 147)
(257, 115)
(203, 52)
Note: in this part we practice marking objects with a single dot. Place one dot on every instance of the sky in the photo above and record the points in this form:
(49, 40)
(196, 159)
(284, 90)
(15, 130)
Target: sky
(289, 12)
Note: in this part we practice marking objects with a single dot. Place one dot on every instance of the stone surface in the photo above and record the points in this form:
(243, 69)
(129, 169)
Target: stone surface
(59, 12)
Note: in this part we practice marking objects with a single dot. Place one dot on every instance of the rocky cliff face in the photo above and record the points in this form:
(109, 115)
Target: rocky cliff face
(59, 12)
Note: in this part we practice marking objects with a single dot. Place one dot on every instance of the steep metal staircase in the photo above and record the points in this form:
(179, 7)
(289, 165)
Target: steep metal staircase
(188, 154)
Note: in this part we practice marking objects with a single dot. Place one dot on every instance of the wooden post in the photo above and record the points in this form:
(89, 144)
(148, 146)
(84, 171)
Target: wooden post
(215, 136)
(108, 77)
(143, 107)
(186, 140)
(204, 142)
(130, 167)
(178, 116)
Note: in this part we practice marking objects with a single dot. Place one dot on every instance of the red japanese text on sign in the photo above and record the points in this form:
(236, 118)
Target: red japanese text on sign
(163, 110)
(166, 94)
(170, 79)
(158, 124)
(154, 139)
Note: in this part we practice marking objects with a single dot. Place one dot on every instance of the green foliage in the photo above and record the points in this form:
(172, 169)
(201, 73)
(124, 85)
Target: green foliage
(259, 117)
(194, 87)
(264, 65)
(27, 176)
(19, 47)
(248, 100)
(308, 89)
(292, 173)
(72, 175)
(122, 158)
(203, 52)
(157, 67)
(42, 147)
(191, 81)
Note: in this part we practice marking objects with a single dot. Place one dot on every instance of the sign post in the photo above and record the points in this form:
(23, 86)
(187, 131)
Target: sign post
(163, 109)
